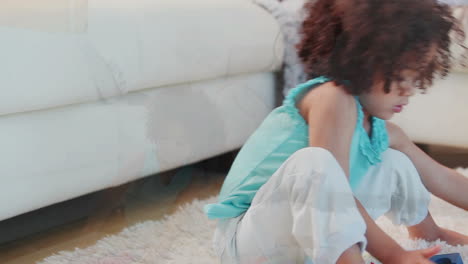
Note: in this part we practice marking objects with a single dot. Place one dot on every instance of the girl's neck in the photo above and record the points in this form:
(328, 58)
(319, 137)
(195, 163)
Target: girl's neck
(367, 122)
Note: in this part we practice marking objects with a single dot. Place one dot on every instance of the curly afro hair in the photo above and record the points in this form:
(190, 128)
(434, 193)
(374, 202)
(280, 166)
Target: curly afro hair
(356, 41)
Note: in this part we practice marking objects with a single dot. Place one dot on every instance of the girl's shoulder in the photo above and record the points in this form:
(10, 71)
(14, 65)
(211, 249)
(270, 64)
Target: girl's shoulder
(324, 98)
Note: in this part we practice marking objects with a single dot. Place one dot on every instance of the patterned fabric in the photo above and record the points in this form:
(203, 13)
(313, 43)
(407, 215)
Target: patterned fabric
(281, 134)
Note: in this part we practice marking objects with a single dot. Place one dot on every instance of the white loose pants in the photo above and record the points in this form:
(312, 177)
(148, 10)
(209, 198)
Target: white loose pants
(306, 210)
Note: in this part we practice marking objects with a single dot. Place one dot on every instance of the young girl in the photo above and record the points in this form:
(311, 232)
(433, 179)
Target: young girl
(309, 183)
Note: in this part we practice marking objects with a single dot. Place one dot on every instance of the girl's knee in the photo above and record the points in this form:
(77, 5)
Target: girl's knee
(314, 159)
(313, 166)
(406, 178)
(397, 159)
(401, 167)
(314, 152)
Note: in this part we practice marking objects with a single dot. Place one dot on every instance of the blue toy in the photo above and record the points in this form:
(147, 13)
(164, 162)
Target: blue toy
(453, 258)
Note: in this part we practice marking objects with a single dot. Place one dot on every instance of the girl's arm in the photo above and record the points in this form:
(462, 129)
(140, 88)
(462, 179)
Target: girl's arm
(332, 116)
(441, 181)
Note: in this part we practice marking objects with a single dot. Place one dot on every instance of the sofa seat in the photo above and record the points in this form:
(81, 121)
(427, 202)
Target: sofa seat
(54, 155)
(98, 93)
(115, 47)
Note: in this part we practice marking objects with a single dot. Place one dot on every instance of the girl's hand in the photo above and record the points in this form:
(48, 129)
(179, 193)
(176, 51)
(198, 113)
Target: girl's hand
(413, 257)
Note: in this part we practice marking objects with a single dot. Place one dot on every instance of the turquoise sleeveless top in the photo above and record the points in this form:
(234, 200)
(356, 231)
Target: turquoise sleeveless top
(283, 132)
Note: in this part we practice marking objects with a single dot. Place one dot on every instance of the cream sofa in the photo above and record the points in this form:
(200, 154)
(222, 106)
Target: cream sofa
(97, 93)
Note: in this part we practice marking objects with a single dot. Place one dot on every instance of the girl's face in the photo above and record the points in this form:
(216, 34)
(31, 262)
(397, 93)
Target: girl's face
(384, 105)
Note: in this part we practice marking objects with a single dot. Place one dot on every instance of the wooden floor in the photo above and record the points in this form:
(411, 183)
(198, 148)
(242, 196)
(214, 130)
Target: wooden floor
(147, 199)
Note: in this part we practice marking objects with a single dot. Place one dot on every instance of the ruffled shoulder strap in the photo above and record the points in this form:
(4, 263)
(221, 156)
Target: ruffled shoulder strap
(380, 139)
(373, 147)
(301, 89)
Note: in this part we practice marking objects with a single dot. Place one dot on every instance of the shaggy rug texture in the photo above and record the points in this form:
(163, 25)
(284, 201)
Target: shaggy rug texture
(185, 237)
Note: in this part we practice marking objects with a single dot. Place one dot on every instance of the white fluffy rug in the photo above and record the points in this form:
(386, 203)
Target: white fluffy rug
(185, 237)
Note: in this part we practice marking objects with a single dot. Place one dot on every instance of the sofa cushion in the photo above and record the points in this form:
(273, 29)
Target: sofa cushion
(131, 45)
